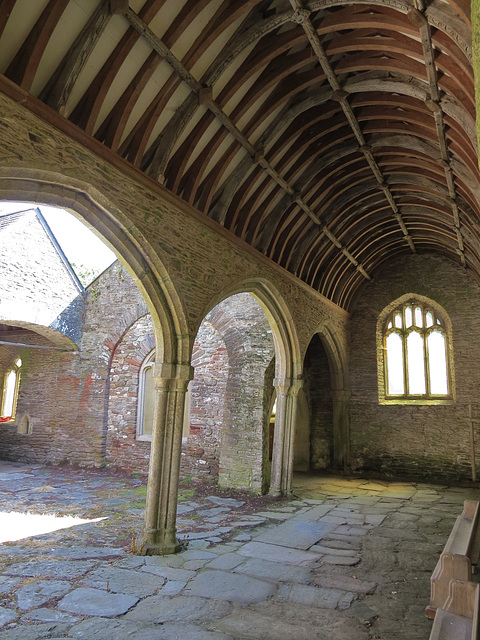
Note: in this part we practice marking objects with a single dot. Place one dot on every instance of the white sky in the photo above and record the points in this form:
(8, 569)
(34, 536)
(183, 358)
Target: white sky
(79, 244)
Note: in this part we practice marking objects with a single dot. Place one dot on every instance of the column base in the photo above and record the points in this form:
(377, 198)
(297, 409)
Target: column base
(148, 547)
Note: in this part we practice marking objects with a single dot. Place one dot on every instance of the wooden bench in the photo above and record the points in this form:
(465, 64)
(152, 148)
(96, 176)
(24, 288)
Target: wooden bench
(458, 619)
(459, 554)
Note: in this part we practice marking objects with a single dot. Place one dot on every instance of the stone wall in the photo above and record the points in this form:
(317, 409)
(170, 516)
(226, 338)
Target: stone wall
(123, 448)
(197, 259)
(244, 438)
(181, 261)
(201, 450)
(423, 441)
(53, 396)
(29, 264)
(318, 392)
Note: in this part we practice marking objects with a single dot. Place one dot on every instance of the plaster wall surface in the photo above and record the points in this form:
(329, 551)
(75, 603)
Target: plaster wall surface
(422, 441)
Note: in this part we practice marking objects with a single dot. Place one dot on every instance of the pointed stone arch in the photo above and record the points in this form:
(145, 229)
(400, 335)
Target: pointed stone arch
(340, 392)
(172, 373)
(287, 379)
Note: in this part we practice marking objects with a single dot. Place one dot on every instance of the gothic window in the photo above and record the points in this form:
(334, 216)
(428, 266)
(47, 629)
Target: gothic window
(11, 383)
(416, 353)
(146, 398)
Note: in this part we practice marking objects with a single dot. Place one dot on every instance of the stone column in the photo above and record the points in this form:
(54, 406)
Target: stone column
(159, 532)
(341, 429)
(283, 439)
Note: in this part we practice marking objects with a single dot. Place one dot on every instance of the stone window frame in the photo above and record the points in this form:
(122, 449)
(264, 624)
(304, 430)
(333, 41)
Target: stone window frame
(383, 330)
(148, 363)
(15, 368)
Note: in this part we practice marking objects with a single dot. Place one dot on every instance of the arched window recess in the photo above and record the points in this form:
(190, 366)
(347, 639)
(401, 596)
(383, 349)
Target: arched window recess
(417, 358)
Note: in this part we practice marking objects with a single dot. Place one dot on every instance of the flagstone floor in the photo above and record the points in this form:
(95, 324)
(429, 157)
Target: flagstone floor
(343, 559)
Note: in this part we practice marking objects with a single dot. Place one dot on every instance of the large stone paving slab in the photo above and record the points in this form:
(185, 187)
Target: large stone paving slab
(37, 632)
(94, 602)
(275, 571)
(86, 553)
(227, 586)
(52, 568)
(37, 593)
(135, 583)
(275, 553)
(275, 620)
(104, 629)
(316, 596)
(6, 616)
(296, 533)
(159, 609)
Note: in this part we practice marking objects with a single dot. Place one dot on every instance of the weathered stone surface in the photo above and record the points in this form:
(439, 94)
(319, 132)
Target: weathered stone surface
(86, 553)
(51, 568)
(53, 631)
(362, 611)
(275, 553)
(94, 602)
(290, 621)
(275, 571)
(226, 561)
(159, 609)
(6, 616)
(49, 615)
(346, 561)
(169, 573)
(343, 583)
(104, 629)
(228, 586)
(115, 580)
(296, 534)
(317, 596)
(37, 593)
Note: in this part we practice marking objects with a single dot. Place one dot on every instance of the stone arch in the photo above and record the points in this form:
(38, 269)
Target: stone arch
(171, 374)
(122, 446)
(286, 382)
(287, 349)
(234, 399)
(55, 336)
(114, 228)
(336, 387)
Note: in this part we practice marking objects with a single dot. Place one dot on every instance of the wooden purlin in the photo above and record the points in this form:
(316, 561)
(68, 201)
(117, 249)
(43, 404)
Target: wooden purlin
(342, 98)
(418, 18)
(204, 96)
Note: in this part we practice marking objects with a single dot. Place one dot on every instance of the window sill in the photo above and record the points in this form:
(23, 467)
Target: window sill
(417, 401)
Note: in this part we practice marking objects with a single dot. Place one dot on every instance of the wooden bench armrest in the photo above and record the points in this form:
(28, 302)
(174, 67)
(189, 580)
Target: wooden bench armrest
(476, 615)
(459, 618)
(461, 598)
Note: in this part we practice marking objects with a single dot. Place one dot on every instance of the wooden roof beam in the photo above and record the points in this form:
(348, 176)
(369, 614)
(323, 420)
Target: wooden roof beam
(420, 20)
(302, 16)
(204, 97)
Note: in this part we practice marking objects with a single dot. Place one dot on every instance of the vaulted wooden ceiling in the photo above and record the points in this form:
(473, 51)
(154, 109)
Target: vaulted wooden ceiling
(331, 136)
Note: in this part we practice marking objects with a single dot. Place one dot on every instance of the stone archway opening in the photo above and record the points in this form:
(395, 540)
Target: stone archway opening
(314, 433)
(67, 324)
(231, 395)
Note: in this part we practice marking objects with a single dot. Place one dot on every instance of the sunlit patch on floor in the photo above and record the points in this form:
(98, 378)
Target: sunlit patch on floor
(16, 526)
